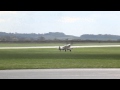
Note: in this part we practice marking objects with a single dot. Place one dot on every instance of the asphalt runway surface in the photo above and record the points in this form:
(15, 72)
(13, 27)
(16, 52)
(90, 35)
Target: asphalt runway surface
(61, 74)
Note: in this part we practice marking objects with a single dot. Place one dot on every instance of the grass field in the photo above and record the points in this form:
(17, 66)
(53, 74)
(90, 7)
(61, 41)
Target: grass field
(53, 58)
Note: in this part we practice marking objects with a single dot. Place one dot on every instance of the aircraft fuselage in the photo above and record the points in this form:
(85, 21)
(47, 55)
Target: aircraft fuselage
(65, 47)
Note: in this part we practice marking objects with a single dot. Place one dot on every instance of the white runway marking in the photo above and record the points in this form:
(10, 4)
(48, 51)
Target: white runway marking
(91, 46)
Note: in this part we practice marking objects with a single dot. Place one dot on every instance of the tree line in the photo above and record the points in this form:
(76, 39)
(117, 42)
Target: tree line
(56, 37)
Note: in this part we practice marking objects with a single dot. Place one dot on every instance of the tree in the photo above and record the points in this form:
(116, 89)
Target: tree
(41, 39)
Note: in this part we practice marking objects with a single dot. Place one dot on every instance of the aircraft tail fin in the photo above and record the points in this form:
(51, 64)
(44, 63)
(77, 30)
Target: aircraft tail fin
(59, 48)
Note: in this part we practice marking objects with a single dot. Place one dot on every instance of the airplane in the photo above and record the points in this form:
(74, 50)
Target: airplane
(65, 47)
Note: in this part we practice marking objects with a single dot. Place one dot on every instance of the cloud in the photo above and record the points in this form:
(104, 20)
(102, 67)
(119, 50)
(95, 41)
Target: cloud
(7, 12)
(76, 19)
(68, 19)
(2, 20)
(87, 19)
(109, 15)
(6, 16)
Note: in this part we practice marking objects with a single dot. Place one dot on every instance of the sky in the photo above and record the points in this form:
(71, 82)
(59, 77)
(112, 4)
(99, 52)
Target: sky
(74, 23)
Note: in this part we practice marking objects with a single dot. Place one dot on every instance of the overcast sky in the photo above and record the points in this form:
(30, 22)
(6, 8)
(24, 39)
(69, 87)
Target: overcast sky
(69, 22)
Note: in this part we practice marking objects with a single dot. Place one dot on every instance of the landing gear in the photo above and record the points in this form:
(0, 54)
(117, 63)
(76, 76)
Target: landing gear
(66, 50)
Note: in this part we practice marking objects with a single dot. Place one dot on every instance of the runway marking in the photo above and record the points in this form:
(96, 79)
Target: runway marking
(92, 46)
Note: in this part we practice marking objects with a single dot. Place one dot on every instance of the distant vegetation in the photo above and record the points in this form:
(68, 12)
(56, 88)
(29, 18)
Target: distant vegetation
(101, 37)
(34, 37)
(54, 37)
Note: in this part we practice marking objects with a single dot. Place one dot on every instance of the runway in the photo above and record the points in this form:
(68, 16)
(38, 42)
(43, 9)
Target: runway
(37, 47)
(61, 74)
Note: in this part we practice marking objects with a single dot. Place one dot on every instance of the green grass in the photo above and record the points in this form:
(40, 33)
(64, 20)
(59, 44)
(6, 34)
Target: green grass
(53, 58)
